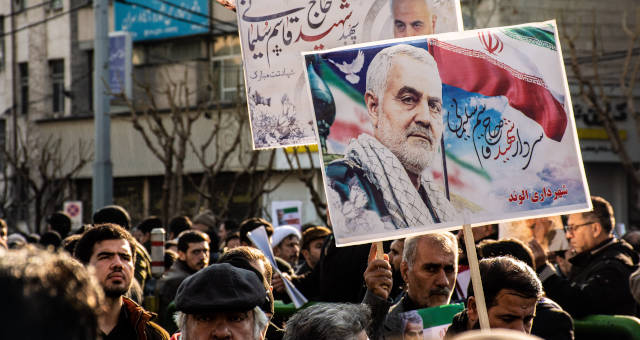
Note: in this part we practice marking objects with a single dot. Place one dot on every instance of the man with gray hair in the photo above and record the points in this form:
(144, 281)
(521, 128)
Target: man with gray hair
(412, 17)
(429, 268)
(382, 182)
(221, 302)
(328, 321)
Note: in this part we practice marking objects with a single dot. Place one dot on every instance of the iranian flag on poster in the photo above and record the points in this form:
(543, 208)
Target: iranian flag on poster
(503, 92)
(287, 213)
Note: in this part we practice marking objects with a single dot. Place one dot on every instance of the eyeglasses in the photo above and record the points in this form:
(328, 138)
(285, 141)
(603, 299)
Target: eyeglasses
(573, 228)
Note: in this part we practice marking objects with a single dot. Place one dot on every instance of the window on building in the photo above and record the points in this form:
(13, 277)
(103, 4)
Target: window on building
(23, 78)
(57, 83)
(228, 71)
(2, 57)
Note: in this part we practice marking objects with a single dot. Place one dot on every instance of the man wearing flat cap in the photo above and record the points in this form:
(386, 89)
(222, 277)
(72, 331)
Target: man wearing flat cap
(221, 302)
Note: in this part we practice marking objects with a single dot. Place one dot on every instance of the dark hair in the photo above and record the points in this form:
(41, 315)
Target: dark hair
(60, 222)
(231, 236)
(603, 212)
(179, 224)
(505, 272)
(250, 254)
(113, 214)
(506, 247)
(633, 238)
(99, 233)
(242, 257)
(170, 258)
(47, 296)
(191, 236)
(70, 242)
(230, 225)
(253, 223)
(328, 321)
(51, 238)
(149, 224)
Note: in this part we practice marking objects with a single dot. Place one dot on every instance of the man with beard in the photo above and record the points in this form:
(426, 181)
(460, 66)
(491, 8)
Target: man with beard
(429, 267)
(193, 255)
(395, 259)
(382, 183)
(109, 249)
(411, 18)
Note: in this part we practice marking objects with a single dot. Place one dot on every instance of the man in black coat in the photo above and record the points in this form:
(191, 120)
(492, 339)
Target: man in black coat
(599, 278)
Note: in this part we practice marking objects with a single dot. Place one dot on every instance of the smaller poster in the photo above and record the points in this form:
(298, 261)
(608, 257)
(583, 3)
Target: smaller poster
(427, 323)
(286, 213)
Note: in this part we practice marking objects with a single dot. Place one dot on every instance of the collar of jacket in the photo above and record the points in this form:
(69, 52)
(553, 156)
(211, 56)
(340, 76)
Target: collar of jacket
(138, 317)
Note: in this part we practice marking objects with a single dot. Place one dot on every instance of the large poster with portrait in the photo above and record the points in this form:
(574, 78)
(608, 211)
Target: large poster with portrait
(433, 132)
(273, 33)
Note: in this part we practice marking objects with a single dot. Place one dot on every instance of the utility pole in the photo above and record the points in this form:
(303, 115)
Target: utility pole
(102, 166)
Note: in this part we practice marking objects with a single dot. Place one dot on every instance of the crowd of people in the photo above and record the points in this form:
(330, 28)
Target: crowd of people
(92, 282)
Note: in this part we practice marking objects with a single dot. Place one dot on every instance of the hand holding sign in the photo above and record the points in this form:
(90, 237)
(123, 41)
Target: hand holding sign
(378, 276)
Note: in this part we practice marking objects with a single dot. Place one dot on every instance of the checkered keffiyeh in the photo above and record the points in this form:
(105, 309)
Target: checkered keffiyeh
(383, 169)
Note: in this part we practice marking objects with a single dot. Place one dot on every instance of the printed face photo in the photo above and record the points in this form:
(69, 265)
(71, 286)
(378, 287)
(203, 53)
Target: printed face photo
(426, 134)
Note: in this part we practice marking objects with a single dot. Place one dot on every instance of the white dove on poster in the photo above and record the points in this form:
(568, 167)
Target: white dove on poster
(352, 68)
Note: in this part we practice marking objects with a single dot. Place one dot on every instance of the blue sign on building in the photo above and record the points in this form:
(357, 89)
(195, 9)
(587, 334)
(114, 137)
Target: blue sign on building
(160, 19)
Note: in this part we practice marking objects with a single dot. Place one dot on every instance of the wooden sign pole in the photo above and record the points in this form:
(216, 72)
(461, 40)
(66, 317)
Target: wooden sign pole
(475, 276)
(379, 251)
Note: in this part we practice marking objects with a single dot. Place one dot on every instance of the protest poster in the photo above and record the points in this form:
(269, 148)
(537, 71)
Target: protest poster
(427, 323)
(468, 127)
(286, 213)
(273, 33)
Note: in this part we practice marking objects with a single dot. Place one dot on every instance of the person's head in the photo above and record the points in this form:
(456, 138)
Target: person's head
(227, 227)
(204, 221)
(70, 242)
(404, 102)
(113, 214)
(60, 222)
(47, 296)
(328, 321)
(227, 309)
(286, 243)
(146, 226)
(50, 239)
(511, 291)
(633, 238)
(177, 225)
(411, 18)
(412, 326)
(588, 229)
(253, 255)
(429, 268)
(506, 247)
(395, 254)
(170, 258)
(232, 241)
(250, 224)
(253, 259)
(312, 241)
(171, 245)
(110, 249)
(193, 249)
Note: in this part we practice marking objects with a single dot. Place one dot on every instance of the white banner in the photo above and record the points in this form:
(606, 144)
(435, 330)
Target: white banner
(273, 33)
